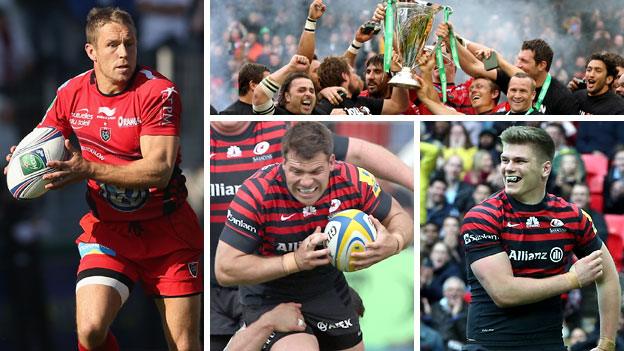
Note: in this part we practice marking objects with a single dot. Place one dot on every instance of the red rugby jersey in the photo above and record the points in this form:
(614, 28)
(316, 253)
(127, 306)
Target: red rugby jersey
(109, 128)
(458, 97)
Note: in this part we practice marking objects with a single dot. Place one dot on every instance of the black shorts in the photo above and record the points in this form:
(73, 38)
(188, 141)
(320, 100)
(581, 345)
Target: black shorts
(477, 347)
(226, 311)
(331, 317)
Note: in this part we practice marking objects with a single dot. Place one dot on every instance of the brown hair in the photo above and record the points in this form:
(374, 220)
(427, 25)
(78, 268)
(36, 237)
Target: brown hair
(307, 139)
(536, 137)
(330, 71)
(99, 16)
(541, 51)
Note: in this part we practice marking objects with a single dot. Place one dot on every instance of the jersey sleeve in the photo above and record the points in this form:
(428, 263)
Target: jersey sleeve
(161, 109)
(374, 200)
(481, 234)
(341, 145)
(242, 228)
(587, 239)
(56, 115)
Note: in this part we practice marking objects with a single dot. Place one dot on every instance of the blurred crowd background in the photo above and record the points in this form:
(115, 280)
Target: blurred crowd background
(460, 168)
(42, 46)
(268, 32)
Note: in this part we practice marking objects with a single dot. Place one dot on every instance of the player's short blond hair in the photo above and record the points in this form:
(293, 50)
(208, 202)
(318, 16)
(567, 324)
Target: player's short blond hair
(99, 16)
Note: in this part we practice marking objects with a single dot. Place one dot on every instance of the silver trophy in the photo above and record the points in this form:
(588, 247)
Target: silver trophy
(412, 24)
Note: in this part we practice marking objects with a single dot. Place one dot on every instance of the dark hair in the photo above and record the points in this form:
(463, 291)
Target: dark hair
(439, 179)
(281, 100)
(100, 16)
(250, 72)
(536, 137)
(541, 51)
(618, 60)
(608, 61)
(307, 139)
(330, 71)
(376, 60)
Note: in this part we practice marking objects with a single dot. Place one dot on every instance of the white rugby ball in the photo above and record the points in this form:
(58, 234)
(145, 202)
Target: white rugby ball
(348, 231)
(29, 162)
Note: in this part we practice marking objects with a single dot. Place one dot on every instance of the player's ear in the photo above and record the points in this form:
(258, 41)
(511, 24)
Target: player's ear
(609, 80)
(546, 169)
(90, 50)
(332, 162)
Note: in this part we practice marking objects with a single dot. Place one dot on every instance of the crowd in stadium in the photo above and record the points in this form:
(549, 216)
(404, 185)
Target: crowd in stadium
(270, 35)
(460, 167)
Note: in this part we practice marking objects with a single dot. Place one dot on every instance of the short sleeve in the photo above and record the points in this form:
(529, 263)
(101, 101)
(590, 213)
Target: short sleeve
(481, 234)
(161, 109)
(587, 239)
(56, 115)
(242, 228)
(374, 200)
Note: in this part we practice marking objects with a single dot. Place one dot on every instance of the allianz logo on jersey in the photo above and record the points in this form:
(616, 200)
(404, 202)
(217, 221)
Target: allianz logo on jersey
(555, 255)
(222, 189)
(287, 247)
(240, 223)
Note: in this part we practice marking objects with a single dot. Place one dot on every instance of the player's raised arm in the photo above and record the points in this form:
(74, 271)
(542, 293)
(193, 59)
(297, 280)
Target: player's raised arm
(263, 94)
(307, 42)
(364, 33)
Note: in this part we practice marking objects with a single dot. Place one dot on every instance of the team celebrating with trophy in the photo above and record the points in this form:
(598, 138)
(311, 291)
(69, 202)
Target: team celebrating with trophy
(412, 84)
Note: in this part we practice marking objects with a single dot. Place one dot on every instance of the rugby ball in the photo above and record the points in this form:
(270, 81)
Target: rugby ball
(29, 162)
(348, 231)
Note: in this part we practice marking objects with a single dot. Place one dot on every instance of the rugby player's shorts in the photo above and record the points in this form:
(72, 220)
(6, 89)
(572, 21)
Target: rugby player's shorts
(330, 316)
(226, 313)
(164, 254)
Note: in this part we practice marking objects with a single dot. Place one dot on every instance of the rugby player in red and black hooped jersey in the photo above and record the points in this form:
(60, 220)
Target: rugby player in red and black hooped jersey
(269, 245)
(237, 150)
(519, 246)
(140, 228)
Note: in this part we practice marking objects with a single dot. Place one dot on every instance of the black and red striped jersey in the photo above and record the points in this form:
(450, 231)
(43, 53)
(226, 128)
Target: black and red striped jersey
(234, 158)
(540, 241)
(265, 219)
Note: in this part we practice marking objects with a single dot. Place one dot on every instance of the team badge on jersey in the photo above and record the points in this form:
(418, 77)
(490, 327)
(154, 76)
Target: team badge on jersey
(105, 133)
(124, 199)
(193, 268)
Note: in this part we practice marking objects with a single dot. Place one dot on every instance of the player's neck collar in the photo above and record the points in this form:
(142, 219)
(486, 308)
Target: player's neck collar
(517, 205)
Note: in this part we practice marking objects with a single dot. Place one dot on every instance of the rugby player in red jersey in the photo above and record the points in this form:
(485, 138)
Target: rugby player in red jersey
(140, 227)
(519, 247)
(269, 243)
(237, 150)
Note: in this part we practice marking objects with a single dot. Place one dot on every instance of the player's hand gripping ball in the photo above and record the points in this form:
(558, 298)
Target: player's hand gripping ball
(29, 162)
(348, 231)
